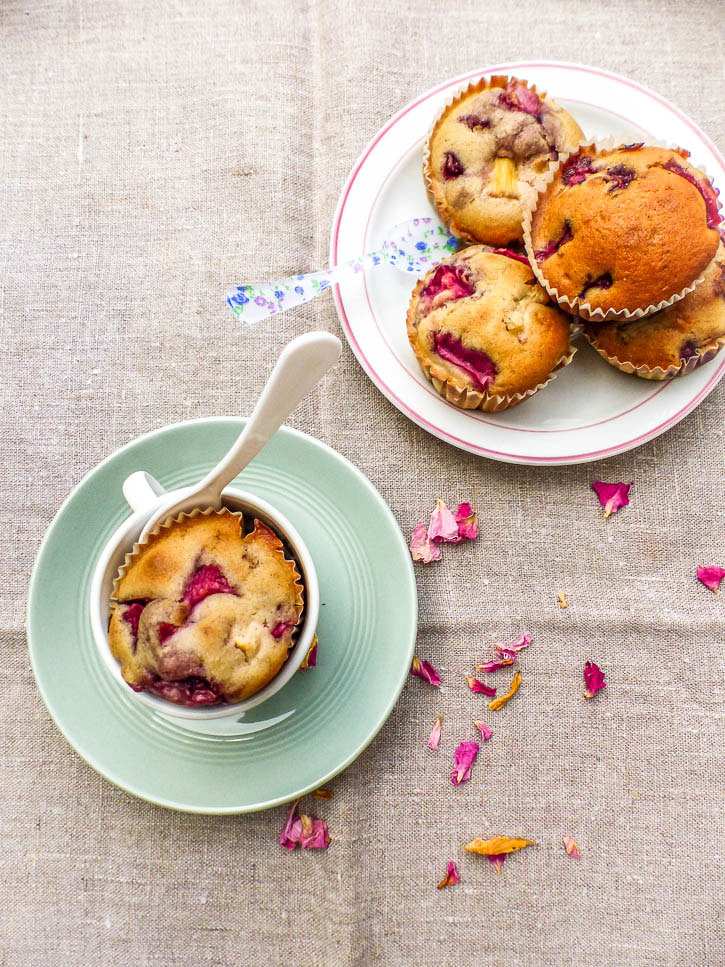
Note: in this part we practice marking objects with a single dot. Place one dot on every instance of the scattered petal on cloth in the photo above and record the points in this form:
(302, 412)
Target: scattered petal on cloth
(422, 547)
(711, 577)
(451, 877)
(612, 496)
(499, 702)
(424, 670)
(467, 522)
(495, 663)
(324, 793)
(310, 659)
(435, 737)
(443, 525)
(497, 860)
(463, 759)
(593, 679)
(310, 833)
(561, 598)
(571, 848)
(479, 687)
(486, 733)
(498, 845)
(523, 641)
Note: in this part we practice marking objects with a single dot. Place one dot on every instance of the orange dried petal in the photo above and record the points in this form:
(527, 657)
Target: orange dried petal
(324, 794)
(498, 845)
(561, 598)
(499, 702)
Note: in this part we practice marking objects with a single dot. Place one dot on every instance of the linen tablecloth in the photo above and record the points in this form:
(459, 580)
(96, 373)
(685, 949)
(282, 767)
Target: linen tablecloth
(153, 153)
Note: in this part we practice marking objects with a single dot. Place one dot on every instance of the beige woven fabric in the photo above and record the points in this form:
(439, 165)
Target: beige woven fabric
(152, 153)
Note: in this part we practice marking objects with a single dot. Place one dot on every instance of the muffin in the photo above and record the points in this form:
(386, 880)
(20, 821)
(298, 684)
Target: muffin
(671, 342)
(483, 330)
(495, 138)
(203, 613)
(617, 232)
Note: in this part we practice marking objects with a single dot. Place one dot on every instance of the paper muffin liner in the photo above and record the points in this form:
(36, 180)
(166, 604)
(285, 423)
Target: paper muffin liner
(473, 87)
(576, 306)
(170, 522)
(705, 355)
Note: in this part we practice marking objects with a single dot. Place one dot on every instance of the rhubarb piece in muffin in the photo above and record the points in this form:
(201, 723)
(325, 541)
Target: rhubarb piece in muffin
(673, 341)
(483, 330)
(493, 140)
(203, 613)
(623, 231)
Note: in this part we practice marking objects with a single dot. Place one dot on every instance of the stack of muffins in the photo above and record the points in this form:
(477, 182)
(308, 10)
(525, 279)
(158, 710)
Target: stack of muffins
(621, 240)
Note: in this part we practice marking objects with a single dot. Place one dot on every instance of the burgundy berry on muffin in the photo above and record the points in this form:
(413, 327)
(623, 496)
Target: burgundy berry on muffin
(473, 122)
(448, 283)
(575, 169)
(518, 97)
(709, 195)
(132, 614)
(452, 166)
(688, 350)
(191, 691)
(635, 146)
(511, 255)
(206, 580)
(479, 365)
(555, 244)
(620, 176)
(603, 281)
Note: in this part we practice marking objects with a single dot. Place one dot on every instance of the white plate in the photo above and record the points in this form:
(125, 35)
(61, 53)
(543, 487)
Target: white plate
(591, 410)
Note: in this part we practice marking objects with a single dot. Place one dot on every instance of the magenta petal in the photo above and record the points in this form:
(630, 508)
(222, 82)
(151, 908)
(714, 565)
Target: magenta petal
(443, 526)
(467, 522)
(480, 688)
(711, 577)
(314, 834)
(497, 861)
(422, 548)
(486, 733)
(495, 663)
(424, 670)
(593, 679)
(286, 836)
(452, 874)
(612, 496)
(463, 759)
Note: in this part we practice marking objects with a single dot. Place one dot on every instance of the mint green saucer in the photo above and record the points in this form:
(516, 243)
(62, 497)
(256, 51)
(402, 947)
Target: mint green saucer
(313, 727)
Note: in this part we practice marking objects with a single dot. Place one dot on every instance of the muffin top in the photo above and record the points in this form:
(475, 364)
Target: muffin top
(497, 133)
(689, 328)
(480, 321)
(626, 228)
(203, 613)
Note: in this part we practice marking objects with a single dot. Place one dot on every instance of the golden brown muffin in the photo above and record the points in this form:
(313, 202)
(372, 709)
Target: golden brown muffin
(492, 141)
(671, 342)
(623, 229)
(484, 331)
(202, 613)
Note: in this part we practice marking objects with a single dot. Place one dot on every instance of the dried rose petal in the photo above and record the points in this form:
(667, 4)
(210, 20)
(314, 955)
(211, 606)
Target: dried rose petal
(309, 832)
(497, 860)
(467, 522)
(498, 845)
(443, 526)
(435, 737)
(499, 702)
(594, 679)
(479, 687)
(571, 848)
(561, 598)
(711, 577)
(424, 670)
(451, 877)
(310, 659)
(523, 641)
(463, 759)
(421, 547)
(495, 663)
(324, 793)
(486, 733)
(611, 496)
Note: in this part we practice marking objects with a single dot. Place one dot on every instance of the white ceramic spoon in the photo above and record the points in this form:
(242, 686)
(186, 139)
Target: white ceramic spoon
(301, 365)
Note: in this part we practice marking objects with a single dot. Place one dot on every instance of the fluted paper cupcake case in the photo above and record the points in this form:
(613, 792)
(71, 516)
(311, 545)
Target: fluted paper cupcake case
(657, 372)
(575, 306)
(473, 87)
(170, 522)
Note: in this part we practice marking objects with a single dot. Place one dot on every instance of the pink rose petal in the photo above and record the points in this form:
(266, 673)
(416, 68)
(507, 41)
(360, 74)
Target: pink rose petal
(435, 737)
(467, 522)
(497, 860)
(424, 670)
(594, 679)
(443, 526)
(486, 733)
(711, 577)
(523, 641)
(571, 848)
(463, 759)
(451, 877)
(480, 688)
(309, 832)
(495, 663)
(612, 496)
(421, 547)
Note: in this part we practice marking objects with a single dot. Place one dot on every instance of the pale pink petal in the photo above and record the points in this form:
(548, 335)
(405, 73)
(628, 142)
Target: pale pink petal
(422, 547)
(443, 526)
(480, 688)
(571, 848)
(424, 670)
(486, 733)
(523, 641)
(467, 522)
(309, 832)
(612, 496)
(285, 837)
(711, 577)
(435, 737)
(463, 759)
(594, 679)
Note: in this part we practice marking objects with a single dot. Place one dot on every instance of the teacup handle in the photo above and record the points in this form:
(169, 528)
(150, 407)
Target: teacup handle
(142, 491)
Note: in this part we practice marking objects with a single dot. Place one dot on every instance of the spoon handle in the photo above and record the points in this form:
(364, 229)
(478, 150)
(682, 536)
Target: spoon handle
(301, 365)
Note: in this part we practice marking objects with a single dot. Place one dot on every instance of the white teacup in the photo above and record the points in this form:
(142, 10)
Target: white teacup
(145, 494)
